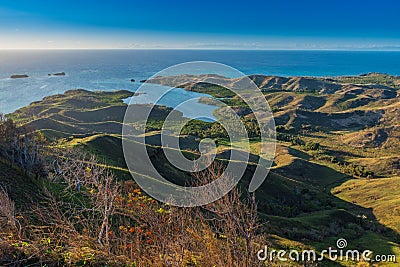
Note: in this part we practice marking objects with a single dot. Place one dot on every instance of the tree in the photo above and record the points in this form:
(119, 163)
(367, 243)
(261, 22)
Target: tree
(22, 147)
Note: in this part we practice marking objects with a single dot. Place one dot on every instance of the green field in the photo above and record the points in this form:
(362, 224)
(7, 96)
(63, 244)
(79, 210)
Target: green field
(335, 172)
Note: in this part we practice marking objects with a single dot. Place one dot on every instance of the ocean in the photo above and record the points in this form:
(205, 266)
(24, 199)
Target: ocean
(113, 69)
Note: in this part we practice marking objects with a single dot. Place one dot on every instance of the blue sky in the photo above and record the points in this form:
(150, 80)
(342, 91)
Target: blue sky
(203, 24)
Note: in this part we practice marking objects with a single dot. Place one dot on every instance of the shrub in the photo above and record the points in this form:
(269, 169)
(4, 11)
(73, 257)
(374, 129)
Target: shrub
(310, 145)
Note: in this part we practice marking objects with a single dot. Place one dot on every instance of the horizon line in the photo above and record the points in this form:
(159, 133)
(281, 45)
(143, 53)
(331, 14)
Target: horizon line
(212, 49)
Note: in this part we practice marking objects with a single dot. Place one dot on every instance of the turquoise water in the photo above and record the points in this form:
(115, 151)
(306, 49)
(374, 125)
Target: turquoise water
(165, 96)
(113, 69)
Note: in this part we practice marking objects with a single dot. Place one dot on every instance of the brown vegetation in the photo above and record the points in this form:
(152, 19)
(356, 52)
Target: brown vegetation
(86, 217)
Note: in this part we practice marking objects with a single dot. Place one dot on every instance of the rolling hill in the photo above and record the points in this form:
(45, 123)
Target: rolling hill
(336, 168)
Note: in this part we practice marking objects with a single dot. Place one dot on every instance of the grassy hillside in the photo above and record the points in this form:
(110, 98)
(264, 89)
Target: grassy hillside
(335, 173)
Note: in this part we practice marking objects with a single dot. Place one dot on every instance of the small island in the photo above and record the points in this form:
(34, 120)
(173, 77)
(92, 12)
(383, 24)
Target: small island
(19, 76)
(57, 74)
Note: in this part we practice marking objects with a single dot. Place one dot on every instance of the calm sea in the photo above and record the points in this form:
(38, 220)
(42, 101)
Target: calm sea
(113, 69)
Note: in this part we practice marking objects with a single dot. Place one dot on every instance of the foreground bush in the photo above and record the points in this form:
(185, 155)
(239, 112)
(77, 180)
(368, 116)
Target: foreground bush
(86, 217)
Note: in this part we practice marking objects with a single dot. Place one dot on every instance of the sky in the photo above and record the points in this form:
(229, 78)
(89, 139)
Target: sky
(201, 24)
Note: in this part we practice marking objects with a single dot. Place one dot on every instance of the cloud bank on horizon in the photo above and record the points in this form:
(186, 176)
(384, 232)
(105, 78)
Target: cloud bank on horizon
(251, 24)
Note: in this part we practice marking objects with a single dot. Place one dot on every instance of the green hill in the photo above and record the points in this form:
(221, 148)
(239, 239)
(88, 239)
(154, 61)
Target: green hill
(335, 171)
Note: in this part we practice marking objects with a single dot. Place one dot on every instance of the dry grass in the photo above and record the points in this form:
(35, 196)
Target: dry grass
(381, 195)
